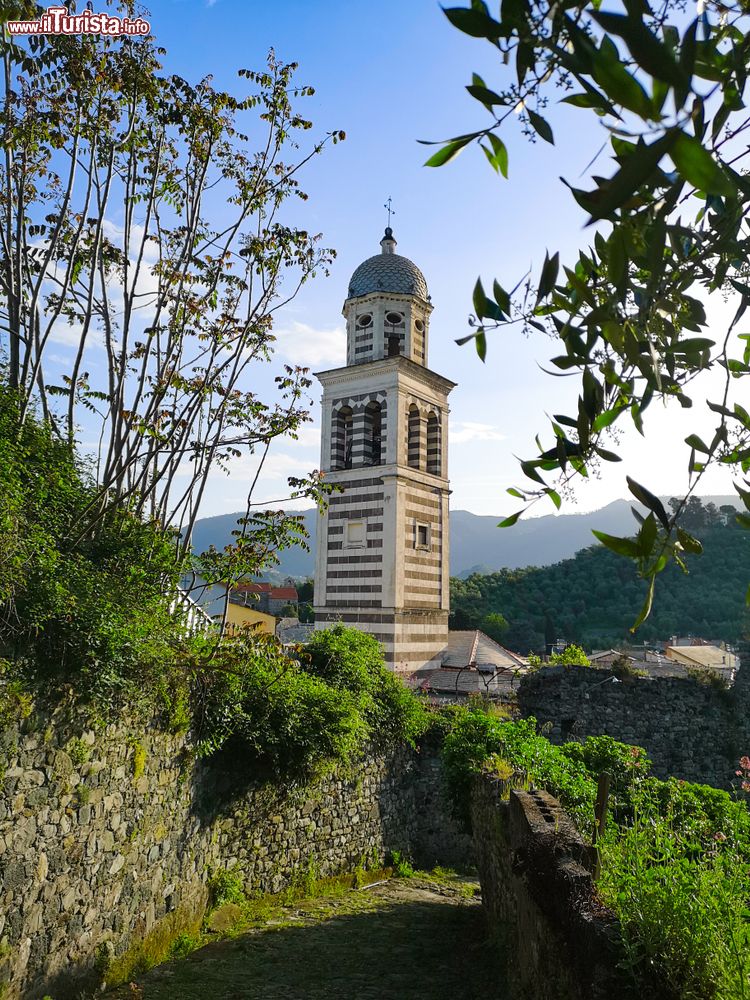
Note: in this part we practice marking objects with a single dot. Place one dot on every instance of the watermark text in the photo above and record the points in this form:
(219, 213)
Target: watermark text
(57, 21)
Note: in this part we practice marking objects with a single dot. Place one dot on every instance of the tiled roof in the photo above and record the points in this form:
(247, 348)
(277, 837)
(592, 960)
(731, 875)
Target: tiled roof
(477, 649)
(388, 272)
(275, 593)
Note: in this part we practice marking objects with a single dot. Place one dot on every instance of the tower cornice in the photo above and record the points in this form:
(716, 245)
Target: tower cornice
(349, 374)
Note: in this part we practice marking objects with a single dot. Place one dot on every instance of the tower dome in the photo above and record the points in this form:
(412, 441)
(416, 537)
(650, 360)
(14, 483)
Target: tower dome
(388, 272)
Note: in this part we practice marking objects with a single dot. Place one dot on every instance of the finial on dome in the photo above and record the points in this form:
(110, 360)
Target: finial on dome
(388, 243)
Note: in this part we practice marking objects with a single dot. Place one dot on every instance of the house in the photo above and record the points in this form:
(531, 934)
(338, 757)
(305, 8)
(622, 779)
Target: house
(264, 596)
(703, 656)
(472, 663)
(211, 599)
(292, 632)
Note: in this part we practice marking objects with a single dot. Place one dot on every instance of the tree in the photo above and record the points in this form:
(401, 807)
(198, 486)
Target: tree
(112, 177)
(627, 316)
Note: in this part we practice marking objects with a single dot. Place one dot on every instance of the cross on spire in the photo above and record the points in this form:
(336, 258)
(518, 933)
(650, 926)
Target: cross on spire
(390, 210)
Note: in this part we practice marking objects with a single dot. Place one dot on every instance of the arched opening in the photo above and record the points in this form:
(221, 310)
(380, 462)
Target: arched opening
(373, 433)
(395, 334)
(433, 444)
(414, 438)
(342, 438)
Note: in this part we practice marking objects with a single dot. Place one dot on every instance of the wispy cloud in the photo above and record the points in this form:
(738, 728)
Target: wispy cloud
(304, 345)
(466, 430)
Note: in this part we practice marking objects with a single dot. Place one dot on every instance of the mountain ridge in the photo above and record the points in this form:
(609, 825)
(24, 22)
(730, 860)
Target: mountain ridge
(477, 544)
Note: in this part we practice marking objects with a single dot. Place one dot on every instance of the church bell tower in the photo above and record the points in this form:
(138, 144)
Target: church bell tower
(382, 547)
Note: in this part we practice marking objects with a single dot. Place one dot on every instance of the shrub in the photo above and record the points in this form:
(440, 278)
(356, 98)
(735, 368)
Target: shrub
(289, 722)
(84, 600)
(571, 656)
(683, 910)
(353, 661)
(477, 736)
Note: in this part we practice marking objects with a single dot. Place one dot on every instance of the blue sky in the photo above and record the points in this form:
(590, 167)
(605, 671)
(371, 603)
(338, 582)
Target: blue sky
(388, 73)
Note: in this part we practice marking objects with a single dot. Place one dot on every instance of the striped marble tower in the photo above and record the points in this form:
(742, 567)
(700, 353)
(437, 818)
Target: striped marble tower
(382, 556)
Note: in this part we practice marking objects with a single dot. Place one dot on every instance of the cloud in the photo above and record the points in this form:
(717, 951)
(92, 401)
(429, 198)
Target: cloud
(466, 430)
(304, 345)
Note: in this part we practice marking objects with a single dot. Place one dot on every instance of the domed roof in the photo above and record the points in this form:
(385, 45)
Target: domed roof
(388, 272)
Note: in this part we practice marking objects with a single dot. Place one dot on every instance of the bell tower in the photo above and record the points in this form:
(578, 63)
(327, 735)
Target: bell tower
(382, 561)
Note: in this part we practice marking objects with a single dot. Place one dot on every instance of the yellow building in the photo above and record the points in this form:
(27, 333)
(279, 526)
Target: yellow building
(241, 616)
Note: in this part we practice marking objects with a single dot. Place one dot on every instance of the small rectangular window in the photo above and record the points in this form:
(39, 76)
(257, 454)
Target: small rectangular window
(422, 536)
(355, 536)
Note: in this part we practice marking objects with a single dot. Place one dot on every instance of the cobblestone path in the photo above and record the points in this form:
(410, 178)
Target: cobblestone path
(406, 939)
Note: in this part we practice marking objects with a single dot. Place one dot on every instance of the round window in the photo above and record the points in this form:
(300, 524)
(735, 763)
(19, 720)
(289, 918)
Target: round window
(395, 319)
(418, 325)
(365, 320)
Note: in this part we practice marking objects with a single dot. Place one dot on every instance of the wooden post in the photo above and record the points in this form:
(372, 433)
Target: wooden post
(600, 812)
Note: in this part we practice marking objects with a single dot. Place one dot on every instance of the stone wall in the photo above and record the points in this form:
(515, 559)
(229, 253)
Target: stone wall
(691, 730)
(108, 839)
(558, 941)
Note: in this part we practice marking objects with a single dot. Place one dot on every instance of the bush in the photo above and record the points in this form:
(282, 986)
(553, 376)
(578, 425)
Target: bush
(683, 908)
(290, 723)
(353, 661)
(476, 737)
(84, 601)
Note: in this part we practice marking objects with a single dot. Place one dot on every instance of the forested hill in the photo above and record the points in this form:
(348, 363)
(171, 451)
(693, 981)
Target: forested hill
(594, 598)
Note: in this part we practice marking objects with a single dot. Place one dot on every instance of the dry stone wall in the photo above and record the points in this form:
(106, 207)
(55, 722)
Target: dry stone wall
(691, 730)
(557, 940)
(108, 837)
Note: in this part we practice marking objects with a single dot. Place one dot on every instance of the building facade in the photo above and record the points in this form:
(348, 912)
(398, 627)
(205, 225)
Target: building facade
(382, 554)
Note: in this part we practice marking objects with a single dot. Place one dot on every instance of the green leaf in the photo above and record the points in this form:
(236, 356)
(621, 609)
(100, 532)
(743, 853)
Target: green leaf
(501, 155)
(647, 536)
(448, 152)
(637, 168)
(688, 542)
(486, 96)
(649, 53)
(697, 166)
(647, 604)
(606, 418)
(541, 126)
(549, 276)
(481, 345)
(695, 442)
(648, 499)
(619, 85)
(508, 522)
(474, 22)
(622, 546)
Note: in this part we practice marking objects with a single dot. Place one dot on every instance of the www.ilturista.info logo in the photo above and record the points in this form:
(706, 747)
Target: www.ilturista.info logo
(57, 21)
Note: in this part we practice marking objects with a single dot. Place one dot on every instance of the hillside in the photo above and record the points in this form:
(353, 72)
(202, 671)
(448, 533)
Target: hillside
(594, 597)
(477, 544)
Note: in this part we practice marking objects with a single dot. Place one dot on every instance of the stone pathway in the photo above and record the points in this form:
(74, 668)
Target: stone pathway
(422, 938)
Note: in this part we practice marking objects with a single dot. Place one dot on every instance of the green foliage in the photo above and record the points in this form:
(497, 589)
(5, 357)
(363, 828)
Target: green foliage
(226, 885)
(592, 597)
(402, 867)
(139, 759)
(352, 661)
(571, 656)
(287, 721)
(184, 944)
(84, 601)
(477, 738)
(78, 750)
(627, 316)
(300, 718)
(676, 855)
(680, 886)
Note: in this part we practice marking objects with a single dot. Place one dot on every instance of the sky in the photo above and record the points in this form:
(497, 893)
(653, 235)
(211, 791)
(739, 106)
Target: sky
(389, 73)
